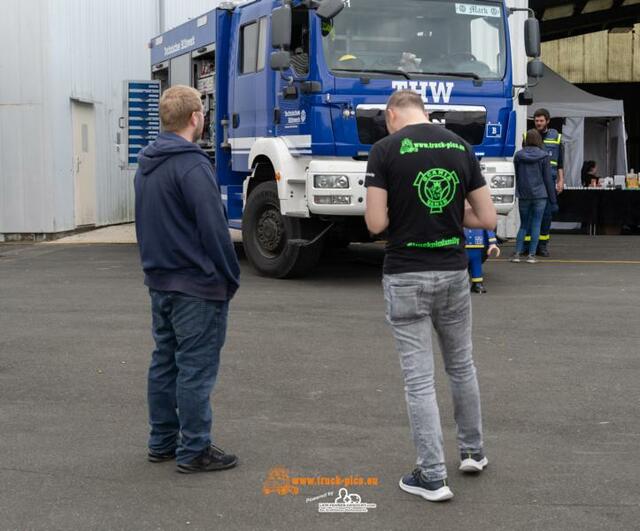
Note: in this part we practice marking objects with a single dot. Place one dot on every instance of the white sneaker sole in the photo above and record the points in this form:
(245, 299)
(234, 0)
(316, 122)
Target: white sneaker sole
(442, 494)
(472, 466)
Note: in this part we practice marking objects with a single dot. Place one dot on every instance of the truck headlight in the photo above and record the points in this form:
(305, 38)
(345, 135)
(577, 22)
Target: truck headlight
(332, 199)
(330, 181)
(502, 181)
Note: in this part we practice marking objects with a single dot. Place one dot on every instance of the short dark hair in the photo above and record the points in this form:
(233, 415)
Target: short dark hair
(542, 112)
(177, 104)
(402, 99)
(533, 138)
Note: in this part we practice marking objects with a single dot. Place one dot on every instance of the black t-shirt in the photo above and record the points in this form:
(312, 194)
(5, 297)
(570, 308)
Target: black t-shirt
(427, 172)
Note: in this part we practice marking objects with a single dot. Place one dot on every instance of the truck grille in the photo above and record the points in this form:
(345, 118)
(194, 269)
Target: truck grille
(468, 124)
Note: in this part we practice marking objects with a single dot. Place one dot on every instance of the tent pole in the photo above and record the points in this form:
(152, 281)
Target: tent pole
(608, 150)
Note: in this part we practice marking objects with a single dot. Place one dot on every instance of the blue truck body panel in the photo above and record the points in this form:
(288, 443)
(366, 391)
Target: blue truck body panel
(190, 36)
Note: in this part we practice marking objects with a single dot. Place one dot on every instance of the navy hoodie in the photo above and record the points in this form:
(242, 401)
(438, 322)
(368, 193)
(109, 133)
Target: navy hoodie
(533, 174)
(181, 222)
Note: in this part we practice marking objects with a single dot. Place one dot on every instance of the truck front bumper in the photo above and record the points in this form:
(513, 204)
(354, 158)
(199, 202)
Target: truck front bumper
(335, 187)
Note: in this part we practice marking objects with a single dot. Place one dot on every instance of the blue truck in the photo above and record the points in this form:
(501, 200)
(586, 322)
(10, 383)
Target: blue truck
(294, 94)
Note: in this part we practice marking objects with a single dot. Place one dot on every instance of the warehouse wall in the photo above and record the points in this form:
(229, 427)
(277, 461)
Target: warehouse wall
(52, 52)
(601, 57)
(25, 158)
(179, 11)
(96, 45)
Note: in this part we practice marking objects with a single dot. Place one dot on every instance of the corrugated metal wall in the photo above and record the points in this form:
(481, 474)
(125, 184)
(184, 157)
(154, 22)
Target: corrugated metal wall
(96, 45)
(24, 159)
(179, 11)
(52, 52)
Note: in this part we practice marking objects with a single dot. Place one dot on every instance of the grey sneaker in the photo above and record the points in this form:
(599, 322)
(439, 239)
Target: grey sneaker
(473, 463)
(531, 259)
(515, 258)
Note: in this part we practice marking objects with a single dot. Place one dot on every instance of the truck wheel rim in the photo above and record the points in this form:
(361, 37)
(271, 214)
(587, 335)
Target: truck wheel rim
(270, 233)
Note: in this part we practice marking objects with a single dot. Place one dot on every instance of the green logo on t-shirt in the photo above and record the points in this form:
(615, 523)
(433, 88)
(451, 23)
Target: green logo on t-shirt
(436, 188)
(411, 146)
(408, 146)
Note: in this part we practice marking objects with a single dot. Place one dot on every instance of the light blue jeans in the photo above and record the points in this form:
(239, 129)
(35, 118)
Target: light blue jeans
(531, 214)
(414, 303)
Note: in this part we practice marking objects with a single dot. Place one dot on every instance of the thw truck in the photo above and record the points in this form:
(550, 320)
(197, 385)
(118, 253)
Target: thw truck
(294, 94)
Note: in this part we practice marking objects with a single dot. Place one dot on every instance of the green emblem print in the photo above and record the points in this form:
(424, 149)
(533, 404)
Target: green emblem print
(408, 146)
(436, 188)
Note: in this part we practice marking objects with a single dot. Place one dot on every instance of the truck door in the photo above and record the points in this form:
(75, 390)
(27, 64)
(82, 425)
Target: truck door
(294, 110)
(247, 81)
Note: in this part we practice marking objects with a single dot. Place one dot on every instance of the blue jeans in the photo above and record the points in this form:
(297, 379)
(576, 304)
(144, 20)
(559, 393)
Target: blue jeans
(415, 302)
(189, 333)
(531, 212)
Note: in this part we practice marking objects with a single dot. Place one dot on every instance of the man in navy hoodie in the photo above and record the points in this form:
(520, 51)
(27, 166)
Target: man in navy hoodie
(192, 273)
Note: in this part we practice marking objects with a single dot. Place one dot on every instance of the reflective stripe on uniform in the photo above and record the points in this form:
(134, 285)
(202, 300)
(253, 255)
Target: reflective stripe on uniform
(474, 246)
(544, 238)
(554, 141)
(477, 279)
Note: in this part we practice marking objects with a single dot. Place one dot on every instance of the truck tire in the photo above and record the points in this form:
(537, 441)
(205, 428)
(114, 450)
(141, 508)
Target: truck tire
(266, 234)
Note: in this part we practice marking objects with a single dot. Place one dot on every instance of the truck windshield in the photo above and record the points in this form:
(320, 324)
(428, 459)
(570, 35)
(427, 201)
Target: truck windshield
(418, 37)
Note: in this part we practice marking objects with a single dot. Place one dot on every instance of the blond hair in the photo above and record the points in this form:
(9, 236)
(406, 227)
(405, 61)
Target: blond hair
(403, 99)
(177, 105)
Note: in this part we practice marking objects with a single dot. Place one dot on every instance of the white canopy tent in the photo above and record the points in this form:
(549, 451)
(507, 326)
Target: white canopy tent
(593, 128)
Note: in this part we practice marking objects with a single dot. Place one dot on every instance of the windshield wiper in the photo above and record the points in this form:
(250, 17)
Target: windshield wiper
(365, 72)
(471, 75)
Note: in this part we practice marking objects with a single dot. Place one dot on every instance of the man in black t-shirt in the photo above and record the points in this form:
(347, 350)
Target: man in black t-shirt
(417, 181)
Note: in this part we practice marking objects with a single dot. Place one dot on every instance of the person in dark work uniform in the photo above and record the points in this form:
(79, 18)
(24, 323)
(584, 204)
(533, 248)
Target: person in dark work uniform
(552, 141)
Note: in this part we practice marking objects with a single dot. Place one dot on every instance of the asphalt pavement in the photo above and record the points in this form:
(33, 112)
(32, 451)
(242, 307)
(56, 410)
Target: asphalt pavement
(310, 383)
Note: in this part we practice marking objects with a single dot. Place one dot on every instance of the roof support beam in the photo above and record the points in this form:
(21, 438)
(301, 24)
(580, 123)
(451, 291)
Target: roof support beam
(606, 19)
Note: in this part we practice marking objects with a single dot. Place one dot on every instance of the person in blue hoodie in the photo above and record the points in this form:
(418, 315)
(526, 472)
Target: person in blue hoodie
(477, 240)
(192, 272)
(534, 188)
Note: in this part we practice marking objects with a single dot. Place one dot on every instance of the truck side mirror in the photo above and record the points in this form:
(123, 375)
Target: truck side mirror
(329, 9)
(535, 69)
(281, 20)
(525, 98)
(280, 60)
(532, 37)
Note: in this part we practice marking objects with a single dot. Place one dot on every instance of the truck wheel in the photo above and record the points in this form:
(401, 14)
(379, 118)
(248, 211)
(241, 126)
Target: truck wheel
(266, 234)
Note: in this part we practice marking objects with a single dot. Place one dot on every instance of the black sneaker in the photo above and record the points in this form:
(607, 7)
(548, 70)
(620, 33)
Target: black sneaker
(543, 251)
(157, 457)
(473, 463)
(434, 491)
(478, 287)
(210, 460)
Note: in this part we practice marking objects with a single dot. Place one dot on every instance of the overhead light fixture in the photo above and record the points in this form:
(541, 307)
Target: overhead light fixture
(621, 29)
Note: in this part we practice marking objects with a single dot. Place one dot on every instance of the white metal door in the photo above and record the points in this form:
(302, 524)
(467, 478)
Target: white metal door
(84, 162)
